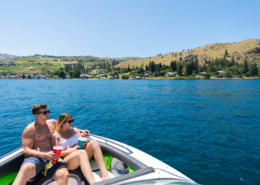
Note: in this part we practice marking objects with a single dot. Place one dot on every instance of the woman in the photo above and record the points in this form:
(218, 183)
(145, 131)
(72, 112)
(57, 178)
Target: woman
(68, 138)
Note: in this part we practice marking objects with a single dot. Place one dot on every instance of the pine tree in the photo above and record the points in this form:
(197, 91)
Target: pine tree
(253, 70)
(196, 65)
(188, 69)
(233, 60)
(179, 69)
(245, 66)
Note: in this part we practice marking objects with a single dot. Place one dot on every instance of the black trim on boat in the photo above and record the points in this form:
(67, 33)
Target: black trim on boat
(12, 164)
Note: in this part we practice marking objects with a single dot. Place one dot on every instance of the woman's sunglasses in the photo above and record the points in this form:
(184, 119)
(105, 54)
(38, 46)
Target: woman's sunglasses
(45, 112)
(70, 121)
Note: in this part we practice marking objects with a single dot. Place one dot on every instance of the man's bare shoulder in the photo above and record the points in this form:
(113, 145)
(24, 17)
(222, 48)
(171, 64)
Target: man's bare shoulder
(30, 129)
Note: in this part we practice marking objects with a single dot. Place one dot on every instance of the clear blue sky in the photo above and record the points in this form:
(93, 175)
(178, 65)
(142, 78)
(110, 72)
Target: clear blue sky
(120, 28)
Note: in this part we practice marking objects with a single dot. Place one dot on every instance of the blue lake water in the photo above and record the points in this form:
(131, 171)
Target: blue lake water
(206, 129)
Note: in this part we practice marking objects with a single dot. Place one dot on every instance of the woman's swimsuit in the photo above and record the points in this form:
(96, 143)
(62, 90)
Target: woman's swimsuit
(66, 143)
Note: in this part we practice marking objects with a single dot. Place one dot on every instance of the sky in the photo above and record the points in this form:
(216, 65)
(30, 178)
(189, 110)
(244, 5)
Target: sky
(123, 28)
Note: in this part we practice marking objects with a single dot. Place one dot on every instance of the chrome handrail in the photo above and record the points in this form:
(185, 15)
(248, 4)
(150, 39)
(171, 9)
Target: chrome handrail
(107, 140)
(10, 152)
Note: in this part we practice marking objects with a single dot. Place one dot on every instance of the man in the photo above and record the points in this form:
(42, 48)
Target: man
(37, 146)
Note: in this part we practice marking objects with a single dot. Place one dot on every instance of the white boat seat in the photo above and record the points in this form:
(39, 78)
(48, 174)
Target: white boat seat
(93, 165)
(73, 180)
(98, 176)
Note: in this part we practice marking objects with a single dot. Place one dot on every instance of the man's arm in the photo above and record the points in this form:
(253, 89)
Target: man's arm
(28, 141)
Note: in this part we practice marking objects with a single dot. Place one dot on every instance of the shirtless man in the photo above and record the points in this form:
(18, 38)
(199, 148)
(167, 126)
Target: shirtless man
(37, 143)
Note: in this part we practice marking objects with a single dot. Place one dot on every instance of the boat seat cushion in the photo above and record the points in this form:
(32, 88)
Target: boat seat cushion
(98, 176)
(73, 180)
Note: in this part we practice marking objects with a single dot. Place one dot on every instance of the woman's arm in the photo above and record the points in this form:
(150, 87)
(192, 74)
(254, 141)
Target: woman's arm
(77, 132)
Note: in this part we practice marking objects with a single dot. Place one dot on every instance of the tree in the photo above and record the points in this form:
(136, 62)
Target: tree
(232, 60)
(207, 75)
(188, 69)
(71, 73)
(62, 74)
(125, 77)
(179, 69)
(196, 65)
(245, 66)
(29, 76)
(211, 68)
(253, 69)
(259, 71)
(23, 76)
(152, 66)
(226, 53)
(204, 67)
(173, 65)
(228, 74)
(180, 59)
(160, 66)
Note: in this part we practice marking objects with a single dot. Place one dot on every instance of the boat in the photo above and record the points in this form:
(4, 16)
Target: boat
(125, 165)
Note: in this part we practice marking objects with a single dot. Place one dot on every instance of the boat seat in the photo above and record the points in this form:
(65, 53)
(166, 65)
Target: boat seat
(93, 165)
(73, 180)
(98, 176)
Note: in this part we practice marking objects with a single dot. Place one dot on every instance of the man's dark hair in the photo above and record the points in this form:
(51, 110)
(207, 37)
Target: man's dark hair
(36, 108)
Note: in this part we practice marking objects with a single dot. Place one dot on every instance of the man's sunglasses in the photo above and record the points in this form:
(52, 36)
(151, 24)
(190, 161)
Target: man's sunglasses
(70, 121)
(45, 112)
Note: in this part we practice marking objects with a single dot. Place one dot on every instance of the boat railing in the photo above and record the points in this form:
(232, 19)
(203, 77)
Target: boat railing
(107, 141)
(10, 153)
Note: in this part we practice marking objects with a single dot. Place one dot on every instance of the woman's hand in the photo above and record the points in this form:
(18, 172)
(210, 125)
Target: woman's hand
(85, 144)
(85, 132)
(73, 149)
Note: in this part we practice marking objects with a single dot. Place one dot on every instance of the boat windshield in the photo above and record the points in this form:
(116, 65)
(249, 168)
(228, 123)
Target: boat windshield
(161, 182)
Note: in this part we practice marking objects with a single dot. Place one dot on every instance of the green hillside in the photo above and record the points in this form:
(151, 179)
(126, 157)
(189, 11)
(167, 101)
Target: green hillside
(247, 48)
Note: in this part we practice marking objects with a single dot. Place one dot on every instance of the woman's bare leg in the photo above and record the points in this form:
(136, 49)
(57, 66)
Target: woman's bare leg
(80, 158)
(94, 148)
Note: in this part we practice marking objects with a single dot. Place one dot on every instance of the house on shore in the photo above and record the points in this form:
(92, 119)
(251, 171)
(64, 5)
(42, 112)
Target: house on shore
(101, 76)
(147, 75)
(12, 63)
(55, 77)
(84, 76)
(171, 74)
(201, 73)
(98, 70)
(42, 77)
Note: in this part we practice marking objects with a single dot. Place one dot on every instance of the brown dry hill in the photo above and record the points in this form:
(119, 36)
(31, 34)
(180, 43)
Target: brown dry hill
(248, 47)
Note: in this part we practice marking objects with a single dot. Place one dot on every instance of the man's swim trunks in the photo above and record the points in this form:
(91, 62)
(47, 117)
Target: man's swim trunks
(40, 164)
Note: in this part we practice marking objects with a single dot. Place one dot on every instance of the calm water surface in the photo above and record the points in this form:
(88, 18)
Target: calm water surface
(206, 129)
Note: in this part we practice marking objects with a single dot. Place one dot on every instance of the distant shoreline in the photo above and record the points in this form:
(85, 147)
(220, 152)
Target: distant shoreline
(146, 79)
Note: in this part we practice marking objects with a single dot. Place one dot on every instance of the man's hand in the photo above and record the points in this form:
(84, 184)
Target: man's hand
(50, 156)
(85, 132)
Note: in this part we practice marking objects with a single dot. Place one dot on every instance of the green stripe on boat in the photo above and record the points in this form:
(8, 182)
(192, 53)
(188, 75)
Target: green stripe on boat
(8, 178)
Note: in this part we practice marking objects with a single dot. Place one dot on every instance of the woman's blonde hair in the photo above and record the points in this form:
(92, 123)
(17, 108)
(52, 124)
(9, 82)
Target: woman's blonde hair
(61, 120)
